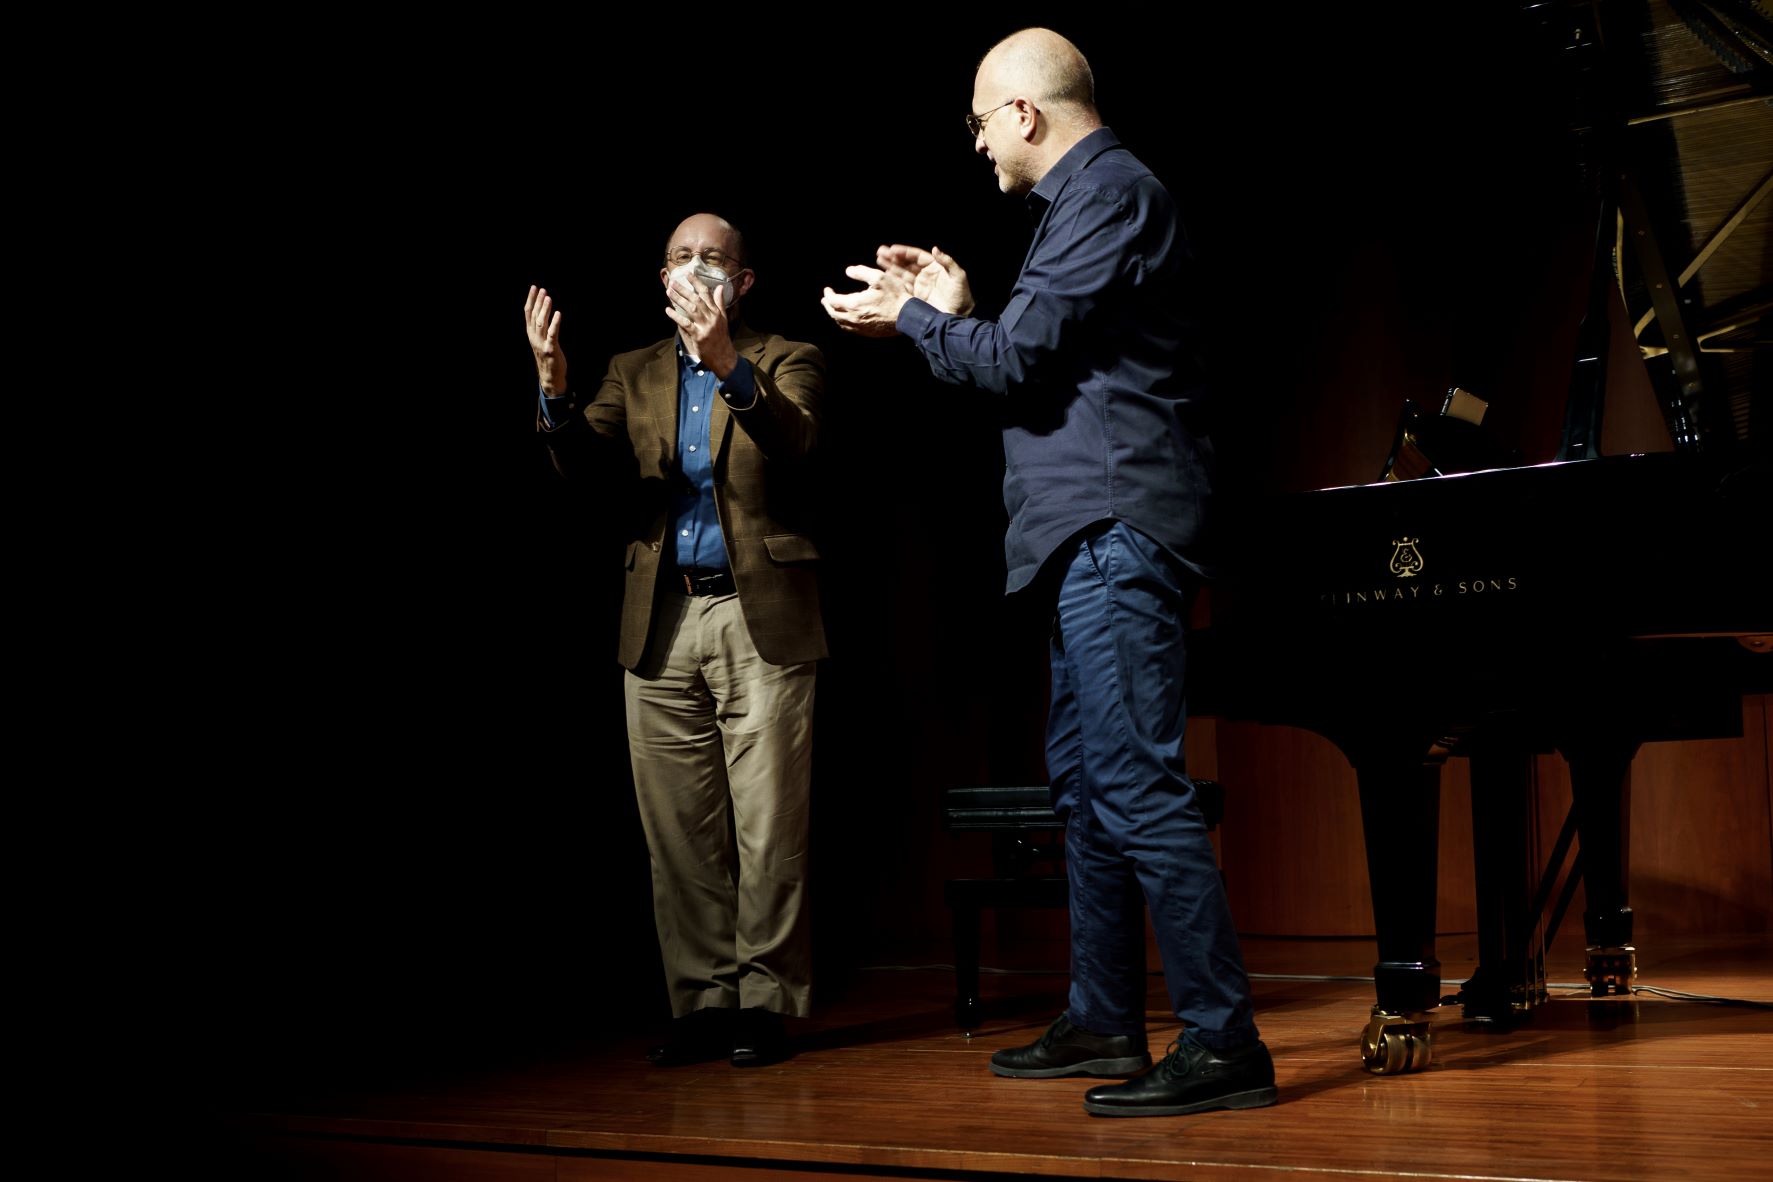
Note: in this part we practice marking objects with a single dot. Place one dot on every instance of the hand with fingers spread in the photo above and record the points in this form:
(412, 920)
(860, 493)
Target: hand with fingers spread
(902, 272)
(700, 316)
(873, 311)
(940, 280)
(543, 325)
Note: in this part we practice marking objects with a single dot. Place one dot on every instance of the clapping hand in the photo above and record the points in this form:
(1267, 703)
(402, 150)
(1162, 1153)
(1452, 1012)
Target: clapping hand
(902, 273)
(935, 277)
(701, 318)
(873, 311)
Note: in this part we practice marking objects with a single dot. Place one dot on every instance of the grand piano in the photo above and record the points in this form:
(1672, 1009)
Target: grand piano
(1466, 605)
(1647, 623)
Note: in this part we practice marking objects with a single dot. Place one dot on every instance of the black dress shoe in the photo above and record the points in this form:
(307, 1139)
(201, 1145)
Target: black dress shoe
(697, 1037)
(1071, 1050)
(759, 1038)
(1191, 1078)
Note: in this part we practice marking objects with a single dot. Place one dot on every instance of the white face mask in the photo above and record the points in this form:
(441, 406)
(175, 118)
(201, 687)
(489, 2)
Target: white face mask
(712, 277)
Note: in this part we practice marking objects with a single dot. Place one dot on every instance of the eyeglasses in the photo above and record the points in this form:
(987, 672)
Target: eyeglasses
(683, 256)
(977, 122)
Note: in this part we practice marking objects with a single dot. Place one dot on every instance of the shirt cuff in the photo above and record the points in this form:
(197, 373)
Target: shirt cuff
(740, 387)
(554, 409)
(915, 318)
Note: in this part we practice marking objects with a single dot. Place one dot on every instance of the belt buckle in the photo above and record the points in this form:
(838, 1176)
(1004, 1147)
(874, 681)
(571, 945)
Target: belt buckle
(702, 584)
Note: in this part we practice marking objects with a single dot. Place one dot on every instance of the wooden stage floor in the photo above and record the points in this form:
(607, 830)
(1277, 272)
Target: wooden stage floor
(885, 1085)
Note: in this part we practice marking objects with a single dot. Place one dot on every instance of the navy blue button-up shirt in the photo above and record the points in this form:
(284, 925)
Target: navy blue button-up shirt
(694, 519)
(1096, 359)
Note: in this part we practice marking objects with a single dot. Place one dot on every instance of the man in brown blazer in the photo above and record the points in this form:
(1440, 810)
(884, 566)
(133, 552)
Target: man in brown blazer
(709, 433)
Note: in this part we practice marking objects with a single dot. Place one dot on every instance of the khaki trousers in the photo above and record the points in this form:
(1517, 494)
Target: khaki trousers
(721, 744)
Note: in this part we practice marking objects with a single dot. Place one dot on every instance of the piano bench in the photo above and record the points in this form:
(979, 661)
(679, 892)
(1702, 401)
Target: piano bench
(1025, 832)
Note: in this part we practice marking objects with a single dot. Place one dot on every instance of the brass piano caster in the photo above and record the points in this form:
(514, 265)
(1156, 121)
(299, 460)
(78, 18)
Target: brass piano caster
(1611, 970)
(1395, 1043)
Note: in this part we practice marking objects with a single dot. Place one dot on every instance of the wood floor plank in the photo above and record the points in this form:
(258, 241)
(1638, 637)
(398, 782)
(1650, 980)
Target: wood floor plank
(1641, 1088)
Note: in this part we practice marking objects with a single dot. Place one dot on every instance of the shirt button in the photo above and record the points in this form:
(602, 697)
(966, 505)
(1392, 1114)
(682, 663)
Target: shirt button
(692, 447)
(686, 533)
(694, 409)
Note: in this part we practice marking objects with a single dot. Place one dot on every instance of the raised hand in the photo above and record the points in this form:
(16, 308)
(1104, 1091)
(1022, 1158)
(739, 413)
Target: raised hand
(701, 318)
(542, 324)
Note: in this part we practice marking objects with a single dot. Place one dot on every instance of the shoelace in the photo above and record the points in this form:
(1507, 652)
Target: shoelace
(1173, 1054)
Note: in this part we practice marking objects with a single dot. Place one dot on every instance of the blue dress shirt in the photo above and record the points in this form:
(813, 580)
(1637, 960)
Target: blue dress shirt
(1096, 359)
(694, 519)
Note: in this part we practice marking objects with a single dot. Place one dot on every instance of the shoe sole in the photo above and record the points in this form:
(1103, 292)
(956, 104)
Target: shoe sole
(1255, 1098)
(1104, 1067)
(765, 1059)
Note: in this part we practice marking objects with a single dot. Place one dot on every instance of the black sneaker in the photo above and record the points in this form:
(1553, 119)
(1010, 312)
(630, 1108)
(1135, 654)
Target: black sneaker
(1191, 1078)
(1071, 1050)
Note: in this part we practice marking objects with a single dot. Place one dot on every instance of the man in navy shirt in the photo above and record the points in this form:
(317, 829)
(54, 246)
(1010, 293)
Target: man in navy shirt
(703, 439)
(1108, 478)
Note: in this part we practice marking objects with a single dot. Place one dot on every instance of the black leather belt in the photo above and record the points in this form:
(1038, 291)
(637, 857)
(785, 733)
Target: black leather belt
(718, 582)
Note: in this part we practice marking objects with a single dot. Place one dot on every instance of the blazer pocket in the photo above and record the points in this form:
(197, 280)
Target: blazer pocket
(791, 548)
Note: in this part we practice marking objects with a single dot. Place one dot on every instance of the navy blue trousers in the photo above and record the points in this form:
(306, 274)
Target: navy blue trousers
(1134, 835)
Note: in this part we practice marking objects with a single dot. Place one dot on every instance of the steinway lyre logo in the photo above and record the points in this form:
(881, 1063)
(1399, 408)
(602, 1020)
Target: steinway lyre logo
(1406, 560)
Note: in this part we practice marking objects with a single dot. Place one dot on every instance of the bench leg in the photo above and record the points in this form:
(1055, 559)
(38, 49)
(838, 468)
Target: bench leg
(967, 919)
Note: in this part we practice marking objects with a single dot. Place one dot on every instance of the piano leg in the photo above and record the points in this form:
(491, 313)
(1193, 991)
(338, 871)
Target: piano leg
(1510, 976)
(1400, 817)
(1600, 784)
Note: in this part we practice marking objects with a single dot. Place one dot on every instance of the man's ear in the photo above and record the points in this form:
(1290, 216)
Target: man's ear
(742, 282)
(1027, 119)
(664, 277)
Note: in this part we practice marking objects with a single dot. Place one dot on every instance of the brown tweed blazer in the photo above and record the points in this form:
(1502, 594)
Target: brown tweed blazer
(762, 486)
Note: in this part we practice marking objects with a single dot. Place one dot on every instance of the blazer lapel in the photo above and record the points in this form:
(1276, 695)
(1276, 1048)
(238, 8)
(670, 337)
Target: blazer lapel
(657, 387)
(720, 424)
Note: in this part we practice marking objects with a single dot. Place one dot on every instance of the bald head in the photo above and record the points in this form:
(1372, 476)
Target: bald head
(1047, 69)
(1033, 98)
(704, 231)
